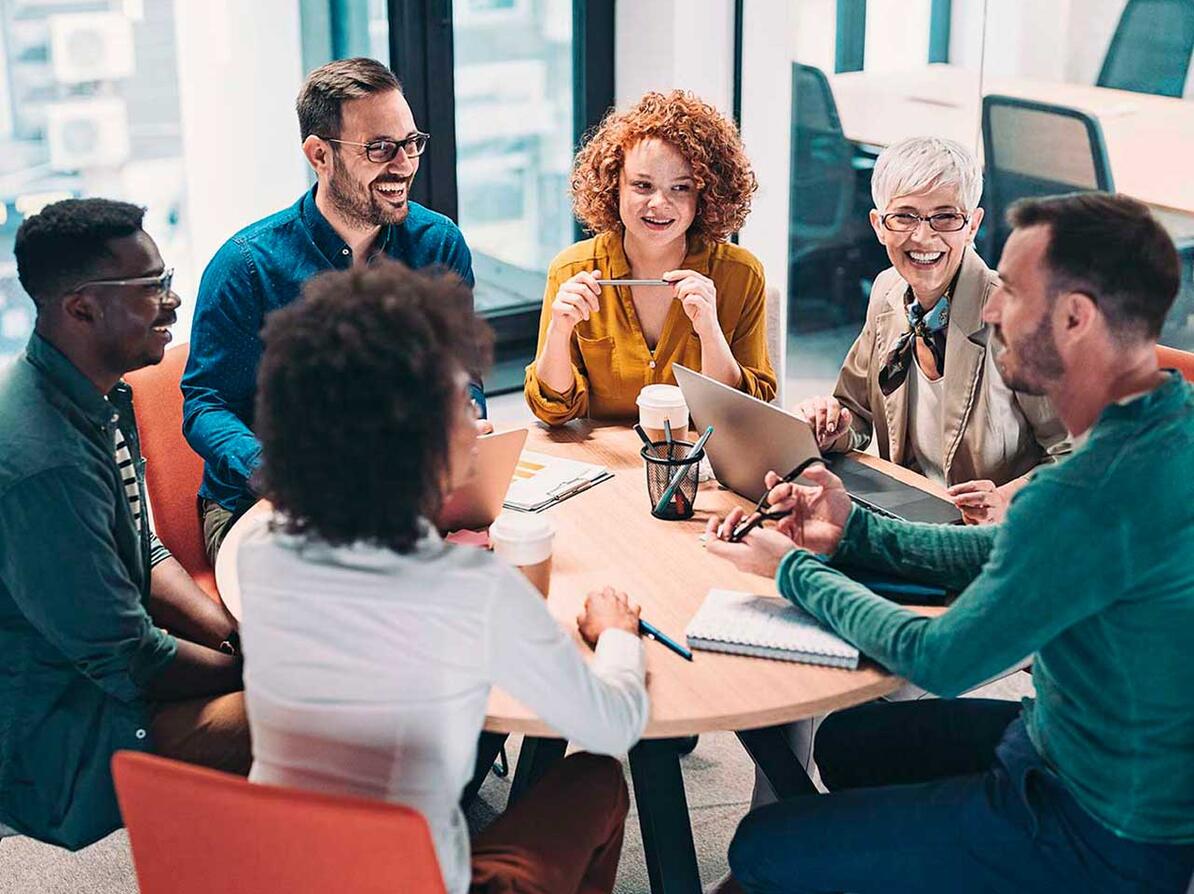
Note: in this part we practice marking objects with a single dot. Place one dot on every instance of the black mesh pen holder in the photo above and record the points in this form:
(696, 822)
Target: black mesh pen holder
(663, 461)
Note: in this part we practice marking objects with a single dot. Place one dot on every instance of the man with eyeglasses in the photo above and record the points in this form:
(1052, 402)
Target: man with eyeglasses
(86, 587)
(360, 138)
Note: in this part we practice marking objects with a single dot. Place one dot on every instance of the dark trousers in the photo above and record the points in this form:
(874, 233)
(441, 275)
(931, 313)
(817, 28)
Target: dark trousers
(940, 796)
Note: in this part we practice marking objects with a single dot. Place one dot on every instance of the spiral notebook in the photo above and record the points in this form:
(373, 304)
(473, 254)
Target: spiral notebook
(765, 627)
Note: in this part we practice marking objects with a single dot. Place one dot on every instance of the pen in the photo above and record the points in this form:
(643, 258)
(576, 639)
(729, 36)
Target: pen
(650, 631)
(670, 490)
(635, 282)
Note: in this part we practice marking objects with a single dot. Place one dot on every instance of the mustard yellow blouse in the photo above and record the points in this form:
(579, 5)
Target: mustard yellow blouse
(610, 359)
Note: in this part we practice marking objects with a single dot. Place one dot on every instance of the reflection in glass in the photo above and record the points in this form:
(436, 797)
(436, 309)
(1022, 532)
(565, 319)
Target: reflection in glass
(513, 71)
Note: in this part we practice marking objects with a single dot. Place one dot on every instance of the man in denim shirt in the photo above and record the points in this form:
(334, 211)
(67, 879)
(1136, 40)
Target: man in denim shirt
(360, 138)
(85, 586)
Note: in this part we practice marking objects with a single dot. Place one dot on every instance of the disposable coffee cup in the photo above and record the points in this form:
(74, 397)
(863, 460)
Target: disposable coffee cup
(657, 403)
(524, 540)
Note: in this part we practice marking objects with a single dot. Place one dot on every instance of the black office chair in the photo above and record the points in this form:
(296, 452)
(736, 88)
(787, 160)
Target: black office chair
(1036, 149)
(1150, 50)
(825, 232)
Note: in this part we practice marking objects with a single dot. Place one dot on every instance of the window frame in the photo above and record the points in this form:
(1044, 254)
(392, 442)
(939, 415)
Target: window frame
(422, 56)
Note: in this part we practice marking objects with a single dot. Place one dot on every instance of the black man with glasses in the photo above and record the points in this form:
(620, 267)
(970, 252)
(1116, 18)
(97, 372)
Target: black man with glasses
(360, 138)
(87, 591)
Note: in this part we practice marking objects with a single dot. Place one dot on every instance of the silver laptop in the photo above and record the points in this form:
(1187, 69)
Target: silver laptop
(477, 503)
(751, 438)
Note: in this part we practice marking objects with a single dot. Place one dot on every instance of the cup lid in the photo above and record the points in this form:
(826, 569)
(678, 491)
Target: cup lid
(660, 396)
(511, 525)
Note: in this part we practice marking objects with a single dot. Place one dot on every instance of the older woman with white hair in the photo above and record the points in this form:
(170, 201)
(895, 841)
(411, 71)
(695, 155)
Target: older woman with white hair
(921, 376)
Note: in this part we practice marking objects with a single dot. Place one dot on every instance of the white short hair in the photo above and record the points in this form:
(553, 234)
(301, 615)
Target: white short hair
(919, 164)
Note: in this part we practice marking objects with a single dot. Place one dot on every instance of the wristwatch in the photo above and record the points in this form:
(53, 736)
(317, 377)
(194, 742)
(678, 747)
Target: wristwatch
(231, 646)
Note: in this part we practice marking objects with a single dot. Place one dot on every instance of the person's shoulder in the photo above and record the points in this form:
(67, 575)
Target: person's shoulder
(578, 256)
(35, 435)
(270, 226)
(423, 223)
(728, 253)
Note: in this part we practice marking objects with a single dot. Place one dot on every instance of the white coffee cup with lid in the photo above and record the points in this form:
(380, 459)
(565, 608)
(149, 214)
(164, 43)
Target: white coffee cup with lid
(657, 403)
(524, 539)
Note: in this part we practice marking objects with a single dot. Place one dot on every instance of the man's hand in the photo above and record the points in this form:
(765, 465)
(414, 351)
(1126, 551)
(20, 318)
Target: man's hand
(759, 552)
(607, 609)
(828, 418)
(981, 502)
(817, 514)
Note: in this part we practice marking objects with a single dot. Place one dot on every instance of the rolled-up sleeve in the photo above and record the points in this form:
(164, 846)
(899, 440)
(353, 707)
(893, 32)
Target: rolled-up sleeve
(59, 561)
(555, 407)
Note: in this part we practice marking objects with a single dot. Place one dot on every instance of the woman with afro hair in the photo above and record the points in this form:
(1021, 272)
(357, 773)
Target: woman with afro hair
(662, 186)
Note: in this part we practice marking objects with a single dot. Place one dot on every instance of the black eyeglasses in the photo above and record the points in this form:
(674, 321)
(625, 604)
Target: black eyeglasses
(942, 222)
(382, 151)
(159, 285)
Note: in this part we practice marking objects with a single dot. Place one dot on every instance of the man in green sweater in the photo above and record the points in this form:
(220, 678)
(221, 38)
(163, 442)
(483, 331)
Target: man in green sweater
(1089, 786)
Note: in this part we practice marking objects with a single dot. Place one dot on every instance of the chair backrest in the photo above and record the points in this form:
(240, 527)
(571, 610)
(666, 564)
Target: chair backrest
(1150, 50)
(1037, 149)
(822, 173)
(777, 340)
(194, 831)
(1172, 358)
(172, 470)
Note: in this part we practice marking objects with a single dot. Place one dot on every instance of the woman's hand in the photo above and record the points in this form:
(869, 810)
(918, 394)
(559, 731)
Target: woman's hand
(698, 296)
(828, 418)
(607, 609)
(981, 502)
(576, 300)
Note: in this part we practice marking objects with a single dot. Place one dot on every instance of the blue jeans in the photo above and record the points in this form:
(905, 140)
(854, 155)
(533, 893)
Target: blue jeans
(939, 796)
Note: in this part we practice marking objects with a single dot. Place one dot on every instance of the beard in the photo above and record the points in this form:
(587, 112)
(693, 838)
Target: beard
(358, 204)
(1039, 360)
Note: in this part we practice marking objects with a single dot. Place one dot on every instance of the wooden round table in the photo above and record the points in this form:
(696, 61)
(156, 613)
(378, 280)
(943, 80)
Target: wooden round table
(607, 535)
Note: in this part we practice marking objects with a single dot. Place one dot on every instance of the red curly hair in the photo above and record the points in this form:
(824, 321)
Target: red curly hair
(709, 143)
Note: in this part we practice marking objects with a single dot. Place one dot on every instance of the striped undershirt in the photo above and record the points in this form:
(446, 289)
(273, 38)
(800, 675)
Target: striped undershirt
(128, 475)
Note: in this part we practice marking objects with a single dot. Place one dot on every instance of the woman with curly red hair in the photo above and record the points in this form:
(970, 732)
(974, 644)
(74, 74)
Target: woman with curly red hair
(662, 185)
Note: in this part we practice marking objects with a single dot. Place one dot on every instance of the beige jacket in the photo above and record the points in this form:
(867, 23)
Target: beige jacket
(989, 431)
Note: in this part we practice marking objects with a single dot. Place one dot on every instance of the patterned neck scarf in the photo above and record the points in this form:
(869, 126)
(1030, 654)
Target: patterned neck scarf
(929, 325)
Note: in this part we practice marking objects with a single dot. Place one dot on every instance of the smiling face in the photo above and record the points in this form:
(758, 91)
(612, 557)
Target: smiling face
(131, 323)
(925, 258)
(1021, 312)
(657, 195)
(366, 193)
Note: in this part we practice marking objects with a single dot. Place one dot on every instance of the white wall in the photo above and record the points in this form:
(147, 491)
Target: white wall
(669, 44)
(239, 70)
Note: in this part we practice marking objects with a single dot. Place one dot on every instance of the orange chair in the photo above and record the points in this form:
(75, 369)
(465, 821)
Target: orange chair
(172, 470)
(195, 831)
(1172, 358)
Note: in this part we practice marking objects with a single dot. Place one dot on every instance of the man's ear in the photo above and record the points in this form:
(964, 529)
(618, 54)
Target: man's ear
(1075, 314)
(81, 307)
(319, 154)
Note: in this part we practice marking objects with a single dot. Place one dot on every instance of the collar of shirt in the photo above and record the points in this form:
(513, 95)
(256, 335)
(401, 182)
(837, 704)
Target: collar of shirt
(328, 241)
(698, 258)
(76, 387)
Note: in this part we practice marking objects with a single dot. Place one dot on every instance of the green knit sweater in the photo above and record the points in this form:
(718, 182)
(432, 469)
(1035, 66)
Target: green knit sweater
(1091, 573)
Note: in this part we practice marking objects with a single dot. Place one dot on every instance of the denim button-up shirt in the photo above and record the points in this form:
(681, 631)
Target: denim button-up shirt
(260, 269)
(77, 646)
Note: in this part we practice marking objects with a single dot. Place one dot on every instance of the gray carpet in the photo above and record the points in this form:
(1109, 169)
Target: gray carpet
(718, 777)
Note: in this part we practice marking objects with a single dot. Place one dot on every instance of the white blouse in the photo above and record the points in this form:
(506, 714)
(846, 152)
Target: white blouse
(367, 672)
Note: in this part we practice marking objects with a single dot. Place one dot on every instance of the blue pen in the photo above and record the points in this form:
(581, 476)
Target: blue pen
(652, 632)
